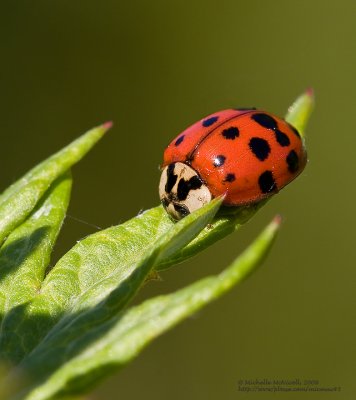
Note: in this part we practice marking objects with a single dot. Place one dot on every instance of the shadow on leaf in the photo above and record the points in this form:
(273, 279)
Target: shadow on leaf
(14, 254)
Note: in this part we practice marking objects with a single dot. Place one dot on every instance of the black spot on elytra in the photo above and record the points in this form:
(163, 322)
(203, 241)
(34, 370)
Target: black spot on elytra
(219, 160)
(209, 121)
(179, 140)
(184, 187)
(229, 178)
(267, 182)
(295, 131)
(231, 133)
(181, 210)
(260, 148)
(292, 161)
(171, 178)
(282, 138)
(245, 108)
(265, 120)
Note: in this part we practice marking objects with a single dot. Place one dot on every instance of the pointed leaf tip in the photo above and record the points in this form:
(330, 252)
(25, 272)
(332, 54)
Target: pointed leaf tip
(273, 227)
(310, 92)
(18, 201)
(277, 220)
(300, 111)
(107, 125)
(275, 224)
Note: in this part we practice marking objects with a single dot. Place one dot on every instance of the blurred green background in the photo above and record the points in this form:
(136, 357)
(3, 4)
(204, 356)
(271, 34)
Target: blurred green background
(155, 68)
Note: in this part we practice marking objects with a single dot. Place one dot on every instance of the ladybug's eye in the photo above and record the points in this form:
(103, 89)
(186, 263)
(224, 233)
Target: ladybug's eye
(181, 210)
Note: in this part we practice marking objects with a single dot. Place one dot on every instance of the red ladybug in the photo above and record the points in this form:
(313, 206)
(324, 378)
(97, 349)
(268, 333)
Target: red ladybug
(245, 154)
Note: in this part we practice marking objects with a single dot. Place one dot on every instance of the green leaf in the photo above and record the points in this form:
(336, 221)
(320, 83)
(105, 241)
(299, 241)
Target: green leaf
(81, 315)
(114, 271)
(100, 268)
(18, 201)
(299, 112)
(227, 221)
(24, 258)
(113, 344)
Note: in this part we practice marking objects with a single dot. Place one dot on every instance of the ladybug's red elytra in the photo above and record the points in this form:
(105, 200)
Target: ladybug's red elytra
(244, 154)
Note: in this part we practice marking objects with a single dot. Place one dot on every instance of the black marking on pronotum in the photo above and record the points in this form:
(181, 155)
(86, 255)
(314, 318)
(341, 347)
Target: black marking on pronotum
(179, 140)
(292, 161)
(219, 160)
(260, 148)
(181, 209)
(231, 133)
(171, 178)
(229, 177)
(209, 121)
(184, 187)
(295, 130)
(265, 120)
(165, 202)
(266, 182)
(282, 138)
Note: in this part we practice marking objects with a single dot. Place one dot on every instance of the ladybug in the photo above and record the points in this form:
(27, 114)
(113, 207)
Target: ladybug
(245, 154)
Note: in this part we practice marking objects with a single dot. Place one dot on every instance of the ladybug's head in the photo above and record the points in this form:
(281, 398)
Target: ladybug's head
(181, 190)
